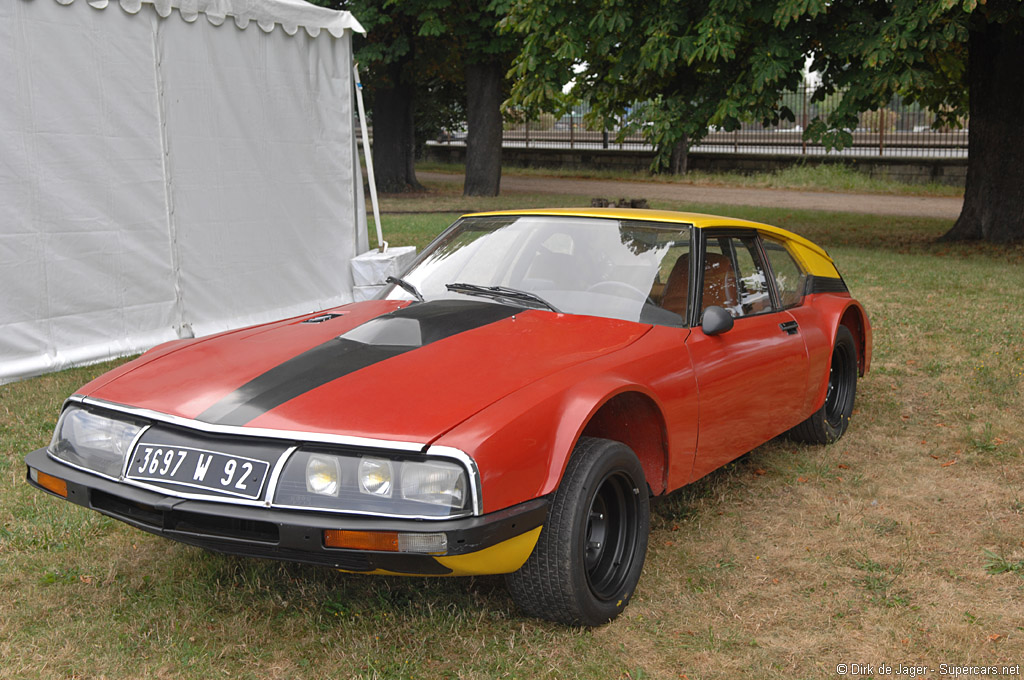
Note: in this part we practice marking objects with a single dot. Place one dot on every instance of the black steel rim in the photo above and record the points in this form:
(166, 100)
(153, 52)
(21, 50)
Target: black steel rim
(611, 537)
(836, 400)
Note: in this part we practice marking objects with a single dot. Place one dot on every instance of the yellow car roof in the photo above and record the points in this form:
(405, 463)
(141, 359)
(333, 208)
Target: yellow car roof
(698, 220)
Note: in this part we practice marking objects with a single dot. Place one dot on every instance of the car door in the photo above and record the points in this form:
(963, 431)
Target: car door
(752, 378)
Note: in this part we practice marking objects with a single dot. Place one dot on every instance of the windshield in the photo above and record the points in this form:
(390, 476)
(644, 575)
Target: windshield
(620, 269)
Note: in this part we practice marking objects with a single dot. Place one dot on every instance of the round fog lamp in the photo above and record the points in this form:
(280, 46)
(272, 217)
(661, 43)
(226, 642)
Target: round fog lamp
(323, 475)
(375, 475)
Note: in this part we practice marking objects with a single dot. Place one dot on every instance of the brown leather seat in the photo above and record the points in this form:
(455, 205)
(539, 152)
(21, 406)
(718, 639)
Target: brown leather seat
(719, 284)
(677, 288)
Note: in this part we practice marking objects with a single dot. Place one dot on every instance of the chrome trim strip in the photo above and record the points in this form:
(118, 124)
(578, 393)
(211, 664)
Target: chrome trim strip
(365, 513)
(257, 503)
(470, 465)
(275, 475)
(81, 468)
(450, 453)
(131, 450)
(303, 437)
(311, 437)
(124, 461)
(193, 496)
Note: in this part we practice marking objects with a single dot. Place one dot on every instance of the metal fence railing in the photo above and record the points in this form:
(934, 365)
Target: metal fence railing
(899, 129)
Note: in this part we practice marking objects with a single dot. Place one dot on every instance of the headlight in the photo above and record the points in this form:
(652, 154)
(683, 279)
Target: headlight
(375, 476)
(323, 475)
(93, 441)
(438, 483)
(345, 481)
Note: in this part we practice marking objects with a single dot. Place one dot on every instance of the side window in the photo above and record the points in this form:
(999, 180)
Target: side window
(734, 277)
(789, 277)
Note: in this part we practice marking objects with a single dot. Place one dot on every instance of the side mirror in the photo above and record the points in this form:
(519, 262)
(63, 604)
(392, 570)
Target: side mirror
(716, 321)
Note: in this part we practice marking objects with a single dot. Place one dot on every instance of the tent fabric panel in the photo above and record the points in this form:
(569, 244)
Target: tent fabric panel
(132, 187)
(289, 14)
(83, 236)
(261, 170)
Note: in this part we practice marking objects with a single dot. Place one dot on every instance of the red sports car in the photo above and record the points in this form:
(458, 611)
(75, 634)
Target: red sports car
(508, 406)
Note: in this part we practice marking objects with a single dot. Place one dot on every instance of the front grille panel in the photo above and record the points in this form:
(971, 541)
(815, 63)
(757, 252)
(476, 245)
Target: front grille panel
(130, 511)
(222, 527)
(255, 538)
(214, 526)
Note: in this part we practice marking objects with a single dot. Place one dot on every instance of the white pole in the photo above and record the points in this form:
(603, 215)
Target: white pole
(369, 162)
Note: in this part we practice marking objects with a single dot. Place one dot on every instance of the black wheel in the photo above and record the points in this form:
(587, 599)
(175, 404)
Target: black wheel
(828, 423)
(591, 550)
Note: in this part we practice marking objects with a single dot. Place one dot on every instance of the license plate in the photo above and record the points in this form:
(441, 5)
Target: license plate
(198, 468)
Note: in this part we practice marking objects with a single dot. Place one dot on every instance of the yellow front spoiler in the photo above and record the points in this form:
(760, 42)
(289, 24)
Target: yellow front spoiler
(503, 558)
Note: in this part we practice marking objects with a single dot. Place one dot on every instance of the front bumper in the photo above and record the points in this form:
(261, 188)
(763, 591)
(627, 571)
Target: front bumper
(497, 543)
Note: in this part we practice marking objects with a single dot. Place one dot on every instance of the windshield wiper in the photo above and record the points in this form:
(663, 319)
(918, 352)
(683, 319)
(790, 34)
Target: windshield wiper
(406, 286)
(513, 295)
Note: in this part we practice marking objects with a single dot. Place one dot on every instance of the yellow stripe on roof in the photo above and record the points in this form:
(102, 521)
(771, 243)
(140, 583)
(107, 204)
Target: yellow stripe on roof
(698, 220)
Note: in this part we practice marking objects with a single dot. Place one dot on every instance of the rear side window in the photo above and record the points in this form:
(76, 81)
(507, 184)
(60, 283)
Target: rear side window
(734, 276)
(789, 277)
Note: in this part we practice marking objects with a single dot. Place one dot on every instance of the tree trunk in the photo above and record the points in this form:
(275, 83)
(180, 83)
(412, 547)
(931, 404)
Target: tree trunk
(680, 159)
(994, 196)
(394, 136)
(483, 139)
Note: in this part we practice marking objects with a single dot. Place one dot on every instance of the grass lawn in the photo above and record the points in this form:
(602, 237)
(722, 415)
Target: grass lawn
(901, 544)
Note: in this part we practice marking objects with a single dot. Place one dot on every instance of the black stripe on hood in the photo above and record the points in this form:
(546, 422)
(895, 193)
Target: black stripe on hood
(378, 339)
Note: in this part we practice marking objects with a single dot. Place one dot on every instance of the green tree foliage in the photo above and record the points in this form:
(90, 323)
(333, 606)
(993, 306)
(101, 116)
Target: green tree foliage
(720, 62)
(700, 63)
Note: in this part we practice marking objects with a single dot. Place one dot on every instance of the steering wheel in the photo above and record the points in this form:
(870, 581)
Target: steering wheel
(621, 289)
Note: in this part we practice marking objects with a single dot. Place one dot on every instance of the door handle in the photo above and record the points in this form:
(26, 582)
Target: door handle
(791, 327)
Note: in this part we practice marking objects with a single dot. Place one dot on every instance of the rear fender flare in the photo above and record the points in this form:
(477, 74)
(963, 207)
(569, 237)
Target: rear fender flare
(848, 312)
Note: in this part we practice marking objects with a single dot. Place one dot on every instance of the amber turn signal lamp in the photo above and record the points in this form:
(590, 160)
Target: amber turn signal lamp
(50, 483)
(361, 540)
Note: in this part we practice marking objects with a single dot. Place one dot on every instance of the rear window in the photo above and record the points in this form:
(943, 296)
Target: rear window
(789, 277)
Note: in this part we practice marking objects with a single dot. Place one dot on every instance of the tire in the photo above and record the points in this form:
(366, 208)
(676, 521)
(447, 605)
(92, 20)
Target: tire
(828, 423)
(591, 550)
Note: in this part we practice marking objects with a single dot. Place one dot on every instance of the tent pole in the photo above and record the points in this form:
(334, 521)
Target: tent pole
(382, 244)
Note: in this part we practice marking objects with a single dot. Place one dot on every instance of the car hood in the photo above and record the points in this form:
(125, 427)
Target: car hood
(378, 369)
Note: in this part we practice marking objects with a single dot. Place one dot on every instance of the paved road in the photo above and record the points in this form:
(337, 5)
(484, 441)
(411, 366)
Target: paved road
(876, 204)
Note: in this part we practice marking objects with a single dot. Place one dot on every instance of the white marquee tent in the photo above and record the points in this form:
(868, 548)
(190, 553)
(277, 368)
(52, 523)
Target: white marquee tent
(170, 168)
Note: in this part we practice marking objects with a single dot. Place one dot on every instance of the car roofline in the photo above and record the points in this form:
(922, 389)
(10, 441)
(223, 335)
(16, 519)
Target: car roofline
(694, 219)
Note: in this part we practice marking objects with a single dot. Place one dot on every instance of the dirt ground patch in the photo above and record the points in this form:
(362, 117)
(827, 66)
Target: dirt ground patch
(876, 204)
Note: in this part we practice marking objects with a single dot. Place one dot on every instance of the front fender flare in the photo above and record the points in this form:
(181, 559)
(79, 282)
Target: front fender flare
(522, 443)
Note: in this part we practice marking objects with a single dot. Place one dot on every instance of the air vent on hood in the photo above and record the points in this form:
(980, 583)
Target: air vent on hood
(322, 318)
